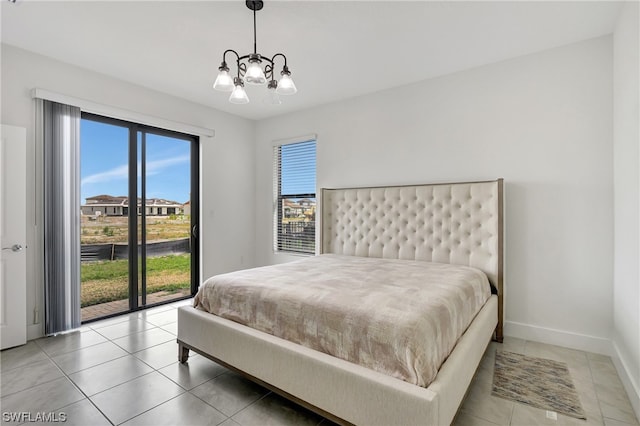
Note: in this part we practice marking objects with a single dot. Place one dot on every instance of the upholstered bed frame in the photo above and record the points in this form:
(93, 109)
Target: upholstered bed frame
(459, 223)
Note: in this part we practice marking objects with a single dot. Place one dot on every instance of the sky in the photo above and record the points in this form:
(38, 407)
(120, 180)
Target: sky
(298, 168)
(104, 163)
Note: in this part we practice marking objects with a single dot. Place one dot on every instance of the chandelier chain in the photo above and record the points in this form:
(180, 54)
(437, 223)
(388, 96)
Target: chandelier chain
(255, 39)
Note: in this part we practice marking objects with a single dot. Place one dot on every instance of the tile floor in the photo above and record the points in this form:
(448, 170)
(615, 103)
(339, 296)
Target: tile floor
(124, 370)
(109, 308)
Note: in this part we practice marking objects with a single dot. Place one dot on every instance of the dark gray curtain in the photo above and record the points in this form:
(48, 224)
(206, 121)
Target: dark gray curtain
(61, 160)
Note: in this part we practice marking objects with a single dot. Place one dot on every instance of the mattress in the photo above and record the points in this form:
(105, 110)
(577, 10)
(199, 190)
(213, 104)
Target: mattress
(400, 318)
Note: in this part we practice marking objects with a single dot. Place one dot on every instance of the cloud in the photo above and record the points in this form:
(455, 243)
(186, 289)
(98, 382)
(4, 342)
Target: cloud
(117, 173)
(122, 172)
(155, 167)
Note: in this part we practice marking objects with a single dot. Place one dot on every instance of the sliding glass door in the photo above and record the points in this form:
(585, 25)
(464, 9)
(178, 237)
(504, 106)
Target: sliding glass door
(164, 226)
(139, 178)
(104, 221)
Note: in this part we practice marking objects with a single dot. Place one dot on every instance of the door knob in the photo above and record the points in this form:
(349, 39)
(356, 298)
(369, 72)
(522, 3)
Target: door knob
(15, 247)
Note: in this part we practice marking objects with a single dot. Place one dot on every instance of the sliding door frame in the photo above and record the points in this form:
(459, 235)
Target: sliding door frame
(194, 200)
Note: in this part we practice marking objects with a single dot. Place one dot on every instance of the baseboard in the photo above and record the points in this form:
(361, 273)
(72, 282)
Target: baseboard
(563, 338)
(34, 331)
(632, 388)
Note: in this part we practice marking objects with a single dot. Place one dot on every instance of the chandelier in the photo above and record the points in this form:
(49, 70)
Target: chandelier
(250, 69)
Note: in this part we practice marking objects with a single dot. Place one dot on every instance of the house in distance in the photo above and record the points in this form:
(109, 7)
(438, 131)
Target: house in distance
(109, 205)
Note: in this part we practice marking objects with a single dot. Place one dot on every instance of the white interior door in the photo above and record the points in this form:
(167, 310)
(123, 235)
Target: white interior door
(13, 236)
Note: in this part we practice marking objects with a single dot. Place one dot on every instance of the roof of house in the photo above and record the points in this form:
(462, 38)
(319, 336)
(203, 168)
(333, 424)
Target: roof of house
(121, 200)
(104, 198)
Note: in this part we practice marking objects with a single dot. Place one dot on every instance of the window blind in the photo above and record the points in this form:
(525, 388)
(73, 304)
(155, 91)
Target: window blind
(295, 204)
(61, 160)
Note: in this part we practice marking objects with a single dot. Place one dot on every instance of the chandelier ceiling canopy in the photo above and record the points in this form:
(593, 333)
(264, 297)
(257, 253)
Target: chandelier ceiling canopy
(256, 69)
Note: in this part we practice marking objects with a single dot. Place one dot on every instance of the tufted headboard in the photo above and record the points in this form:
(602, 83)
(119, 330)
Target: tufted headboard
(458, 223)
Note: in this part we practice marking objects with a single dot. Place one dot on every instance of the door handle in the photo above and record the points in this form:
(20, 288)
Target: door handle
(194, 231)
(14, 248)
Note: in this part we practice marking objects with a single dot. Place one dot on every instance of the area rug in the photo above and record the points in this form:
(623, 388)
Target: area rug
(539, 382)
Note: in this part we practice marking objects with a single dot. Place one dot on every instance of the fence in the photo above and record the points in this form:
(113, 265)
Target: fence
(297, 237)
(114, 251)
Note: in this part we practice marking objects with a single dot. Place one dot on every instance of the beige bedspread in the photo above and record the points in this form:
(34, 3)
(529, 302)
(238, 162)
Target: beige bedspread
(401, 318)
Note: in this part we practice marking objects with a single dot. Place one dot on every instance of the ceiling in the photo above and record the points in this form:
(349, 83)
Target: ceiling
(335, 49)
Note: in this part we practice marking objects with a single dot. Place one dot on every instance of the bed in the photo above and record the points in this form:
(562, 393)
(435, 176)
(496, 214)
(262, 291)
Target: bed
(435, 226)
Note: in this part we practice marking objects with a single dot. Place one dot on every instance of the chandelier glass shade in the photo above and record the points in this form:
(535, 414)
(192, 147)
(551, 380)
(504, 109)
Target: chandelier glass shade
(254, 69)
(238, 95)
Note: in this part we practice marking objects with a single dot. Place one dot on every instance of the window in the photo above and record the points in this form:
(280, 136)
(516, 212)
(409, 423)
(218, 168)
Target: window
(295, 203)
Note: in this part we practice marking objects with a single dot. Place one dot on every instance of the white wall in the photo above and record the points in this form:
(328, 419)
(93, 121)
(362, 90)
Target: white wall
(626, 141)
(543, 122)
(227, 159)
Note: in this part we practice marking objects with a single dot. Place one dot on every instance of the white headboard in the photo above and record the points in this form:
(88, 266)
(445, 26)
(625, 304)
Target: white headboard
(458, 223)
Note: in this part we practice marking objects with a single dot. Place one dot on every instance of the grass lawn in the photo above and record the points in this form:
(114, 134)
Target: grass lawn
(109, 280)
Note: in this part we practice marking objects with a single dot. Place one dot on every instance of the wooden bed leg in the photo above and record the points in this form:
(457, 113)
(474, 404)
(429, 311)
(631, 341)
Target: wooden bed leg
(183, 353)
(498, 334)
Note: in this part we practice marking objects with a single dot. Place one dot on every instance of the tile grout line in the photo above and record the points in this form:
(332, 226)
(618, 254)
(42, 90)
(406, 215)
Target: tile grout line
(127, 381)
(189, 392)
(184, 391)
(80, 390)
(155, 406)
(43, 383)
(96, 365)
(115, 386)
(87, 397)
(126, 335)
(70, 351)
(527, 344)
(66, 376)
(593, 382)
(251, 404)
